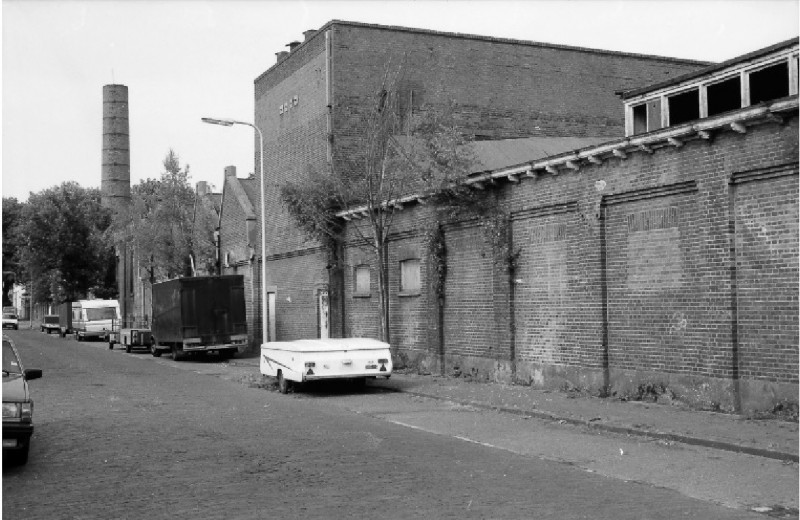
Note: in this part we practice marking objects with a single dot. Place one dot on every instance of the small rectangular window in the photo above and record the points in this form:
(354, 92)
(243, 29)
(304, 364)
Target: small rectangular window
(684, 107)
(769, 83)
(409, 277)
(724, 96)
(361, 281)
(639, 119)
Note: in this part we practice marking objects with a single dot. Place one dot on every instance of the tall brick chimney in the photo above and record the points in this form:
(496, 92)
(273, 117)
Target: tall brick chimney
(115, 180)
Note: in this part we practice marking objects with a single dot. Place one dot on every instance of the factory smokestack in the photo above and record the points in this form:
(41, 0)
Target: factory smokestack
(115, 182)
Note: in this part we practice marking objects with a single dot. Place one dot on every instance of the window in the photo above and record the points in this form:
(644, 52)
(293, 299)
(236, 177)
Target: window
(724, 96)
(684, 107)
(647, 117)
(102, 313)
(409, 277)
(640, 119)
(769, 83)
(361, 281)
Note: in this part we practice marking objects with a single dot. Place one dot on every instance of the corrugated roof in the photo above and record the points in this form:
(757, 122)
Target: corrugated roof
(496, 155)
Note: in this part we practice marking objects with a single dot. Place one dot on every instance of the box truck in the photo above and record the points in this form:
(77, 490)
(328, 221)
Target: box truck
(199, 314)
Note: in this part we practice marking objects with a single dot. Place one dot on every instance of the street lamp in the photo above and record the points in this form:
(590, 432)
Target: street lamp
(231, 122)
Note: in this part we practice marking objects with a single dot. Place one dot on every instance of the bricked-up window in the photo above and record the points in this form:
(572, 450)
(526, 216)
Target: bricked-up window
(684, 107)
(769, 83)
(361, 281)
(724, 96)
(409, 277)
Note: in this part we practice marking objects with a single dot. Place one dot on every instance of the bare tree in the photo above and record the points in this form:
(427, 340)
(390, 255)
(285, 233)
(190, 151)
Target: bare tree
(399, 155)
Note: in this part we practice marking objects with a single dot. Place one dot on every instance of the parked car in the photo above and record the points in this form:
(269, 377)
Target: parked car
(10, 320)
(50, 323)
(17, 405)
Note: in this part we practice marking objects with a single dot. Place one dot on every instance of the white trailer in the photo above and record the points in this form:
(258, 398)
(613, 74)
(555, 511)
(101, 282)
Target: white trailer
(94, 318)
(313, 359)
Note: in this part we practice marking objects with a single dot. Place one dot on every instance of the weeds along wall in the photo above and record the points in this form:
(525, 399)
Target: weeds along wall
(311, 104)
(676, 268)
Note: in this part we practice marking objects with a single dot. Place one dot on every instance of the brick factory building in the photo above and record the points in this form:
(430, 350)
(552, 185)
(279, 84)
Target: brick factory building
(653, 240)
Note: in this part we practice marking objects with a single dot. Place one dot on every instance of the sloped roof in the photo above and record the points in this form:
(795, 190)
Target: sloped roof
(241, 195)
(495, 155)
(252, 189)
(216, 201)
(710, 70)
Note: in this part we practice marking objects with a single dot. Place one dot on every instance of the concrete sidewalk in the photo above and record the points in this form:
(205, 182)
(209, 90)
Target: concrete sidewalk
(772, 438)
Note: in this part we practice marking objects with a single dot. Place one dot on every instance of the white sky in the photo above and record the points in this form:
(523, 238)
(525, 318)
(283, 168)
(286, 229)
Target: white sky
(183, 60)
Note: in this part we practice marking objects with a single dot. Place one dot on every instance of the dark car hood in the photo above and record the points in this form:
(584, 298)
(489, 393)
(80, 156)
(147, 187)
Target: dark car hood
(15, 388)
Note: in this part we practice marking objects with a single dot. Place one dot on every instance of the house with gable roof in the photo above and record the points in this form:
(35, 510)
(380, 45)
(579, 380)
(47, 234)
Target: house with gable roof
(239, 242)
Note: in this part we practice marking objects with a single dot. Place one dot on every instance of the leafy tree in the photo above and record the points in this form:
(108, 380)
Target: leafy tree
(65, 245)
(430, 158)
(158, 223)
(204, 241)
(12, 214)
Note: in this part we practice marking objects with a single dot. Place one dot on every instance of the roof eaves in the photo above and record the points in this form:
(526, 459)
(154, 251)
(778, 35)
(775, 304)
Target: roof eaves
(619, 148)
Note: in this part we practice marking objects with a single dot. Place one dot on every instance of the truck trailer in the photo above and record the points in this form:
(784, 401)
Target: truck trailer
(65, 319)
(198, 315)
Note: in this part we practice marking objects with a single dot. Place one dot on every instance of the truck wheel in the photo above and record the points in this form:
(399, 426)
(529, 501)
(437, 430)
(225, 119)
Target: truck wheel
(284, 385)
(110, 345)
(153, 350)
(127, 349)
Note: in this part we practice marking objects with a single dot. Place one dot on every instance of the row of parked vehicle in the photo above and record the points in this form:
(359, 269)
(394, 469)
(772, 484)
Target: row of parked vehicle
(202, 314)
(190, 315)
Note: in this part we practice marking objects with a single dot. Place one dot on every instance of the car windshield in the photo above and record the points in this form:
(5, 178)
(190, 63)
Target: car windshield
(10, 316)
(103, 313)
(10, 360)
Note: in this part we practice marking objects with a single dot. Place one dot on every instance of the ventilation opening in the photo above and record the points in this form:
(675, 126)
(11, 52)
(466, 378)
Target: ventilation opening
(640, 119)
(769, 83)
(684, 107)
(724, 96)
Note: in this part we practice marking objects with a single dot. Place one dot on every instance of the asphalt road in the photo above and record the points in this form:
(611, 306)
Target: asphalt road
(130, 436)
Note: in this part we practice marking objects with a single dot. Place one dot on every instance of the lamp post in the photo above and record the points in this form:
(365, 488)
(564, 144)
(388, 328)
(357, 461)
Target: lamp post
(231, 122)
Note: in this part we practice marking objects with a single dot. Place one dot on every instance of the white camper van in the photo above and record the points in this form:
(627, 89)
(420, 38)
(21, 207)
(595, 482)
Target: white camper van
(94, 318)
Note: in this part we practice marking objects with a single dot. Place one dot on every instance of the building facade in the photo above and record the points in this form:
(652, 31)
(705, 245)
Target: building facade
(656, 252)
(311, 103)
(665, 261)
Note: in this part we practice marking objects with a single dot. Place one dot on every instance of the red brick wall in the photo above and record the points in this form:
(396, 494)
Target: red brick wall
(301, 276)
(766, 218)
(624, 276)
(470, 328)
(543, 90)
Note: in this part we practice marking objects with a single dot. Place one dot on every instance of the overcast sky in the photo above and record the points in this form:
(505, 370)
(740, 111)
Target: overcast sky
(183, 60)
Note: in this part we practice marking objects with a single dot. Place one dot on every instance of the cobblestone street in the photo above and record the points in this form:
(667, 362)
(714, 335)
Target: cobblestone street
(129, 436)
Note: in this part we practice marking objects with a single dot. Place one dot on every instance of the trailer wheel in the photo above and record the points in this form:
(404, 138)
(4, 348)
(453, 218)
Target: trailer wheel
(284, 385)
(110, 345)
(127, 348)
(176, 353)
